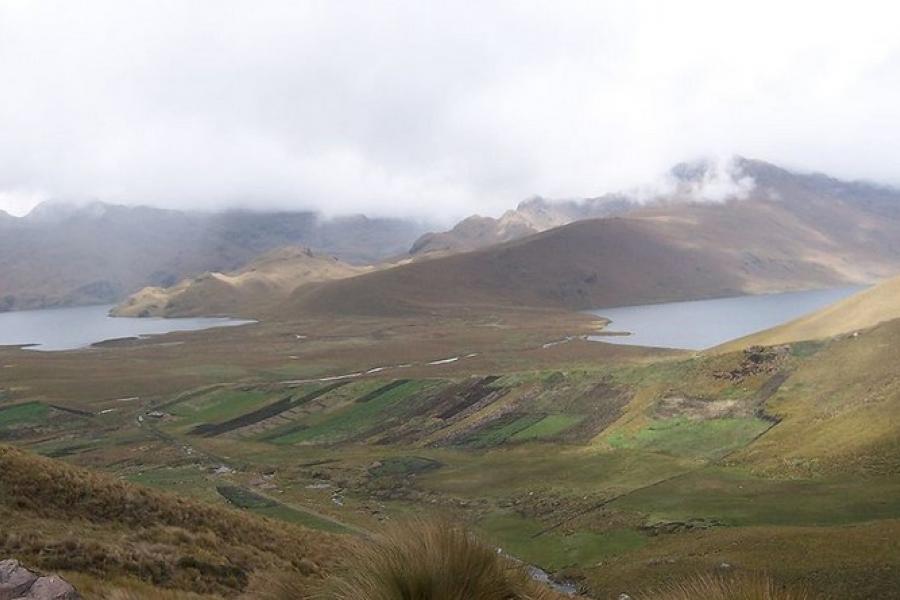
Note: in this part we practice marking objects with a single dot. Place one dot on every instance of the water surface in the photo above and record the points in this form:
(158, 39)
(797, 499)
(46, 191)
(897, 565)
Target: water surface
(81, 326)
(701, 324)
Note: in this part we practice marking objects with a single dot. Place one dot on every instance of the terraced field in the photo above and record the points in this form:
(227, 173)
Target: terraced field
(429, 412)
(28, 419)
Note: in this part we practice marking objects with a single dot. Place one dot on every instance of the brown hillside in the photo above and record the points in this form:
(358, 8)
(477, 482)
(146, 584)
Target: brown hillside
(840, 412)
(109, 532)
(588, 263)
(674, 251)
(267, 280)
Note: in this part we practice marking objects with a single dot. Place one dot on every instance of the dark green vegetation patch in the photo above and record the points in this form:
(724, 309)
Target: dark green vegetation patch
(519, 427)
(404, 465)
(356, 419)
(266, 412)
(244, 498)
(500, 430)
(21, 414)
(382, 390)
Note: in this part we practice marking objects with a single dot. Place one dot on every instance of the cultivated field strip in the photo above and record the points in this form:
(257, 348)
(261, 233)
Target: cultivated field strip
(266, 412)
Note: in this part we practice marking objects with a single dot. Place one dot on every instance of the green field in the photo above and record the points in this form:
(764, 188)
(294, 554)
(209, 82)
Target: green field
(547, 427)
(261, 505)
(188, 480)
(404, 465)
(28, 412)
(497, 433)
(692, 438)
(354, 419)
(556, 550)
(736, 498)
(218, 406)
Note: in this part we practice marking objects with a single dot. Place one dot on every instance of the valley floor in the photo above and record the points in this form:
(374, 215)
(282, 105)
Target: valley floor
(616, 468)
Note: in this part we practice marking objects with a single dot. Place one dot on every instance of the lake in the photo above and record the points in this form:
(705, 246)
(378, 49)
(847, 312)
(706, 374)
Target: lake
(701, 324)
(79, 327)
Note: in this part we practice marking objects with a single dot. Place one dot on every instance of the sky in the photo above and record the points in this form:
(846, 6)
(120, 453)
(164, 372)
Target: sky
(434, 110)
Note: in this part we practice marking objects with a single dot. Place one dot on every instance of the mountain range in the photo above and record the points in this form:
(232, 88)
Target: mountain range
(529, 217)
(771, 229)
(788, 231)
(62, 254)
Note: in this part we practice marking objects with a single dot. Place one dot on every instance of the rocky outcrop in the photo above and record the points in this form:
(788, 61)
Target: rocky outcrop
(18, 583)
(529, 217)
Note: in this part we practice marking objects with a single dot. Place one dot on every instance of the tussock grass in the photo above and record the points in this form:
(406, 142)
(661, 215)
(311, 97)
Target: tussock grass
(422, 560)
(745, 586)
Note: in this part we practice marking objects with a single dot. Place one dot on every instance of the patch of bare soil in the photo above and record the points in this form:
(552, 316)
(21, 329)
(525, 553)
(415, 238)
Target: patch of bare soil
(756, 360)
(607, 403)
(697, 408)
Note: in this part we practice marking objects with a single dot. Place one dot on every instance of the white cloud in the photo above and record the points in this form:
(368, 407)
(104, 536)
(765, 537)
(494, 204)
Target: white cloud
(428, 108)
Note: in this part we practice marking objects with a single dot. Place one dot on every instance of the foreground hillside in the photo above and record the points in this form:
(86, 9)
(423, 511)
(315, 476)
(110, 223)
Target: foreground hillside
(866, 309)
(108, 534)
(267, 280)
(97, 254)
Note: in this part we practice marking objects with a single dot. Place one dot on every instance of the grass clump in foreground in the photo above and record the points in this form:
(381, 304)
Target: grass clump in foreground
(423, 560)
(747, 586)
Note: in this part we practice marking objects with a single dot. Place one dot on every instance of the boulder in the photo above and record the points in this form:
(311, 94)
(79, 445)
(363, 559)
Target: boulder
(18, 583)
(15, 580)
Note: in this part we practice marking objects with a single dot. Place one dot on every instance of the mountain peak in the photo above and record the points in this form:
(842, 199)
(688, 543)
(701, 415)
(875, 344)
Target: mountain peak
(58, 210)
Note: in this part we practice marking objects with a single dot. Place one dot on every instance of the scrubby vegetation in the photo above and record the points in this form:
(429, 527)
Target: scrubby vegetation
(747, 586)
(63, 518)
(422, 560)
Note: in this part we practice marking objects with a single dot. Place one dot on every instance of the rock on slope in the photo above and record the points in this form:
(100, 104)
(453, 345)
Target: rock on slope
(267, 280)
(18, 583)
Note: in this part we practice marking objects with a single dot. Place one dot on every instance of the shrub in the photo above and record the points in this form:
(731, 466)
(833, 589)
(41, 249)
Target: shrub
(747, 586)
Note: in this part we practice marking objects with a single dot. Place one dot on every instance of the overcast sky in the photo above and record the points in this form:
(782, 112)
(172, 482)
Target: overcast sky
(430, 108)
